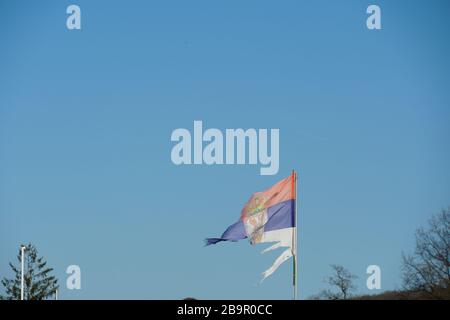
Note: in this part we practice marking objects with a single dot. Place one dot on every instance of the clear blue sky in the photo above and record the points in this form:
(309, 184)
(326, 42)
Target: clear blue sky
(86, 118)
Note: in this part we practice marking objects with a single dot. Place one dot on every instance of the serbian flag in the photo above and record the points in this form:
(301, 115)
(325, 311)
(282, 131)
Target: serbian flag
(268, 216)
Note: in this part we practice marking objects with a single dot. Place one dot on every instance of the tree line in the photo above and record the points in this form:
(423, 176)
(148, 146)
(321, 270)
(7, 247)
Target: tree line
(425, 271)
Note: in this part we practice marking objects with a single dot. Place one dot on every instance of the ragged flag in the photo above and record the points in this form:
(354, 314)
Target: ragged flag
(268, 216)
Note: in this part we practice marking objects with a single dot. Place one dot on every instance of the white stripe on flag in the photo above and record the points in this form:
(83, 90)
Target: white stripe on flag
(283, 238)
(282, 258)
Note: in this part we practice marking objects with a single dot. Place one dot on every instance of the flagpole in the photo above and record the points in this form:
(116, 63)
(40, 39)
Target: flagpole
(294, 261)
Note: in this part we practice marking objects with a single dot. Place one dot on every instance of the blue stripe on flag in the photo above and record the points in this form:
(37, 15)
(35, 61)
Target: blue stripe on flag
(281, 216)
(235, 232)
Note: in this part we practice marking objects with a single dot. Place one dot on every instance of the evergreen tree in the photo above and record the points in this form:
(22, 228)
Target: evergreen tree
(39, 284)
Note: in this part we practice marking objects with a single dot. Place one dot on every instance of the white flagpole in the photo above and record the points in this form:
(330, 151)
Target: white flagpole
(22, 249)
(295, 274)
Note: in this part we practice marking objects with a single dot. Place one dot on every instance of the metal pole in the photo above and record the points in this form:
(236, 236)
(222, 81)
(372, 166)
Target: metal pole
(22, 249)
(295, 274)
